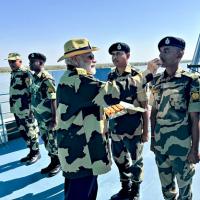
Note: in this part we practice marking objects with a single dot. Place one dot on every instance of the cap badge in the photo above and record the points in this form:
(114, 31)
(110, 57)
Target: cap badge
(167, 41)
(119, 47)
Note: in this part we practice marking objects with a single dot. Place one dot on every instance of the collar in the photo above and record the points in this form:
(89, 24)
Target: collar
(128, 69)
(178, 74)
(39, 74)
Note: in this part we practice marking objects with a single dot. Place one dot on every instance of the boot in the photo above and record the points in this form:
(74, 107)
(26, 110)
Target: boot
(53, 168)
(25, 159)
(124, 193)
(34, 157)
(135, 191)
(56, 167)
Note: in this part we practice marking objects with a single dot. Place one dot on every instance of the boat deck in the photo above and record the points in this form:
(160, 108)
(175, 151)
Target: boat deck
(21, 182)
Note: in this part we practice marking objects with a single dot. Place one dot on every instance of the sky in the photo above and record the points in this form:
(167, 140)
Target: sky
(44, 26)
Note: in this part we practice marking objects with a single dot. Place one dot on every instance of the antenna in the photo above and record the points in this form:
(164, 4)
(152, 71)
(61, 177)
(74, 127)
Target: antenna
(194, 66)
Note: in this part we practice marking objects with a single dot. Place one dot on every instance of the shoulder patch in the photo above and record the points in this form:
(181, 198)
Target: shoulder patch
(46, 75)
(81, 71)
(195, 96)
(191, 75)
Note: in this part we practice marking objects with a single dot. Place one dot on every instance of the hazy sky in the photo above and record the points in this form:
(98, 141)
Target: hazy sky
(45, 25)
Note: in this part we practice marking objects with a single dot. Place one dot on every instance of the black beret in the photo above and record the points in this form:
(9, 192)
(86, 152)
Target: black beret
(172, 41)
(37, 56)
(119, 46)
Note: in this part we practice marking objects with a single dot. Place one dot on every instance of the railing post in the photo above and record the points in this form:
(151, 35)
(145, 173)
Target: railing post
(3, 136)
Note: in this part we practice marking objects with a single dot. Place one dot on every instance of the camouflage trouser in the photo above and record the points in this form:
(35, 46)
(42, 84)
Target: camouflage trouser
(28, 129)
(48, 136)
(127, 154)
(171, 167)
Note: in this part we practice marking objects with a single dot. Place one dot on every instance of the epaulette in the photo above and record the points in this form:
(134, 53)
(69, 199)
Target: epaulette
(191, 75)
(81, 71)
(46, 75)
(156, 78)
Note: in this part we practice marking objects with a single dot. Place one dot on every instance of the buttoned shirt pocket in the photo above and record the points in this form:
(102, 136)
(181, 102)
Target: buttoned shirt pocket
(177, 100)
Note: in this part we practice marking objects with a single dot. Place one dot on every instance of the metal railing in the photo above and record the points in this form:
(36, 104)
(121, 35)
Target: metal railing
(4, 121)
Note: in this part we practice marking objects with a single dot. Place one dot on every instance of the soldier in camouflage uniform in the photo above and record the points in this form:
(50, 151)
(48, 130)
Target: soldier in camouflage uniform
(130, 131)
(20, 102)
(82, 139)
(43, 103)
(174, 121)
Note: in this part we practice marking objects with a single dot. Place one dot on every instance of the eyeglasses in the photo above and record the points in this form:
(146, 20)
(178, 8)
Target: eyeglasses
(14, 61)
(90, 56)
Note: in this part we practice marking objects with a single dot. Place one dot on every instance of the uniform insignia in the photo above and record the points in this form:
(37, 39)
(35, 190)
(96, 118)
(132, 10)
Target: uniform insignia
(119, 47)
(81, 71)
(51, 90)
(153, 90)
(195, 96)
(167, 41)
(32, 55)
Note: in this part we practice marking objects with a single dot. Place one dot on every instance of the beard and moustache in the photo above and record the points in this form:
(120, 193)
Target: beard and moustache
(88, 67)
(80, 63)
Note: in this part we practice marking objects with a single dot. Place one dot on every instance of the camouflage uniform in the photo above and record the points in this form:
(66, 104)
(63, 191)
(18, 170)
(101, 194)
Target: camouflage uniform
(43, 91)
(126, 130)
(20, 102)
(83, 147)
(174, 98)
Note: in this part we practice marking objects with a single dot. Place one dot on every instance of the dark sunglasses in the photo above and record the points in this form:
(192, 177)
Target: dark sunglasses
(14, 61)
(91, 56)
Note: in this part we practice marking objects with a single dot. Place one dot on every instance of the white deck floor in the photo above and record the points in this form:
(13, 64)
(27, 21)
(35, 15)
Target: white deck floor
(18, 181)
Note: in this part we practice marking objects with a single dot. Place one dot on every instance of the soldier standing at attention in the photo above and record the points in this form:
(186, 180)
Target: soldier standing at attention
(130, 131)
(20, 106)
(174, 121)
(43, 103)
(82, 138)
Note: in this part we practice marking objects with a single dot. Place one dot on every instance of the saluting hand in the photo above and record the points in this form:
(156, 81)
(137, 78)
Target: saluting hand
(153, 65)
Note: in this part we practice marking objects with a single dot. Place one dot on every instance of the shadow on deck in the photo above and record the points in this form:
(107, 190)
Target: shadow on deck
(18, 181)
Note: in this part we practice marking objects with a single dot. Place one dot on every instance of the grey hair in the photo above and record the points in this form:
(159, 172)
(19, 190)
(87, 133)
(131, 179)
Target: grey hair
(70, 61)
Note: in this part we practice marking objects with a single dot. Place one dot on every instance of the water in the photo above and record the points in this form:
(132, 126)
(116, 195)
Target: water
(101, 74)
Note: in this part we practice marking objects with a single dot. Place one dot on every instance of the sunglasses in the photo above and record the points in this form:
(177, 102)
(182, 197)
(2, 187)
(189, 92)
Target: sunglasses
(90, 56)
(14, 61)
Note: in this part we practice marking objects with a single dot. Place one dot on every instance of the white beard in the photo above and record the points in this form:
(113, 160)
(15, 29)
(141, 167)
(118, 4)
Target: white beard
(92, 70)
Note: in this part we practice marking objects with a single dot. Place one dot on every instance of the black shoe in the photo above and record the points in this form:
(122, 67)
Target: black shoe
(135, 191)
(46, 169)
(25, 159)
(53, 168)
(124, 193)
(55, 171)
(34, 157)
(121, 195)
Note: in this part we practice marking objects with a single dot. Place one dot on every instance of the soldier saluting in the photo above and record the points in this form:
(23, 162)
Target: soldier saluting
(174, 120)
(20, 106)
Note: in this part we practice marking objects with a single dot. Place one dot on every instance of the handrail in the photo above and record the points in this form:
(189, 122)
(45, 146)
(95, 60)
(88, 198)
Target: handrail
(3, 136)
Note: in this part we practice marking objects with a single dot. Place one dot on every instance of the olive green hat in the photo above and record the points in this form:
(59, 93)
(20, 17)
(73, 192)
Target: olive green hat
(14, 56)
(76, 47)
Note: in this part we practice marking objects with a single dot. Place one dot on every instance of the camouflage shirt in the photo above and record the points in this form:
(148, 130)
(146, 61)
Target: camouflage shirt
(82, 146)
(20, 96)
(133, 119)
(43, 91)
(174, 97)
